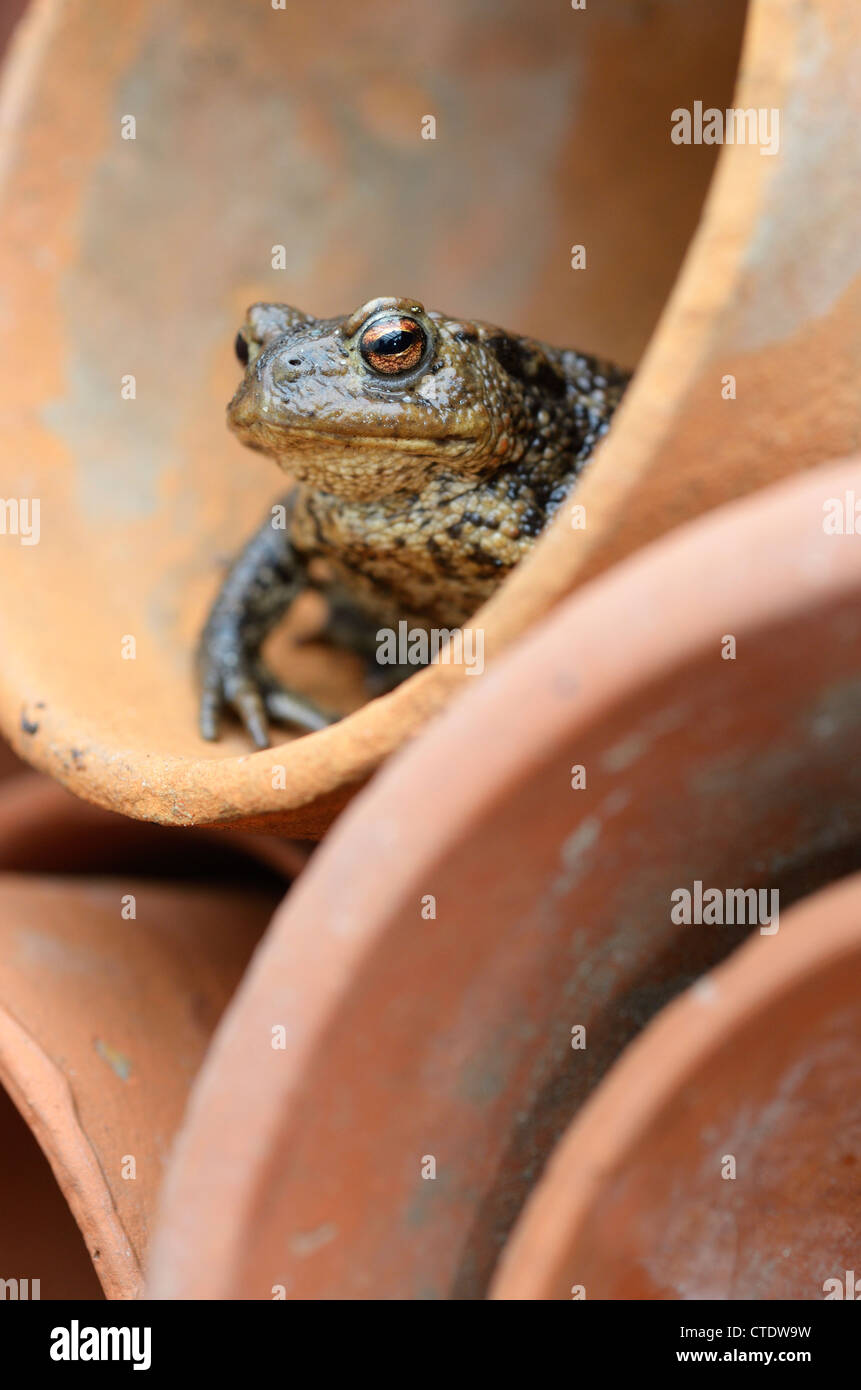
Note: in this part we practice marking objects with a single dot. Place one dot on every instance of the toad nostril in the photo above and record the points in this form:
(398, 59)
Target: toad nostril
(295, 361)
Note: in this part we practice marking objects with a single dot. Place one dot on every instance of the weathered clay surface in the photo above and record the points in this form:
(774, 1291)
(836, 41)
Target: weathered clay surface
(39, 1239)
(743, 308)
(719, 1159)
(44, 829)
(104, 1019)
(473, 908)
(258, 128)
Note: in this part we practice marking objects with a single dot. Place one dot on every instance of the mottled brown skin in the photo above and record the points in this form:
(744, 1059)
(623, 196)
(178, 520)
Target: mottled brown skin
(428, 454)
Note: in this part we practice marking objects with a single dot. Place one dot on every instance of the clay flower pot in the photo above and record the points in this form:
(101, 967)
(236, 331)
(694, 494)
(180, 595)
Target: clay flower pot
(399, 1062)
(104, 1019)
(719, 1159)
(257, 129)
(44, 829)
(40, 1243)
(10, 765)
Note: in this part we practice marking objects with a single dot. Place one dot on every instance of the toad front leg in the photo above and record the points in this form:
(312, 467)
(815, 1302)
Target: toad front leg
(260, 586)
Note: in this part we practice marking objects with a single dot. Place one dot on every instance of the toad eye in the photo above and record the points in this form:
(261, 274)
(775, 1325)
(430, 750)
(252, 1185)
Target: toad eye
(393, 346)
(240, 347)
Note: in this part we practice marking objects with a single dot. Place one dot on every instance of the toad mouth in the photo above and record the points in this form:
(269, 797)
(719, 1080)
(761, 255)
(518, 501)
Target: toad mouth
(405, 444)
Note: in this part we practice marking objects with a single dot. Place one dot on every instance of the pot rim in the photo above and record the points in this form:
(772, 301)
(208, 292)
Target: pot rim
(815, 935)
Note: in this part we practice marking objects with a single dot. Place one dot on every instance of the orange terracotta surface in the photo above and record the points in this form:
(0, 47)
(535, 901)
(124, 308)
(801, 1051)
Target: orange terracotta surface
(756, 1065)
(104, 1021)
(257, 128)
(770, 293)
(39, 1239)
(45, 829)
(472, 908)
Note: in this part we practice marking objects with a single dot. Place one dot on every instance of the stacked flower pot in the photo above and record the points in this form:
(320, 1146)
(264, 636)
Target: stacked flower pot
(446, 1000)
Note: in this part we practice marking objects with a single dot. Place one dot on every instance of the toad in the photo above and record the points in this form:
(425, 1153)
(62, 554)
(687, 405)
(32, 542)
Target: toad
(428, 453)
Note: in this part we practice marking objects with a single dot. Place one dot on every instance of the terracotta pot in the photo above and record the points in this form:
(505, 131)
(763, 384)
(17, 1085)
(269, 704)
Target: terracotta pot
(719, 1159)
(39, 1240)
(472, 909)
(104, 1018)
(10, 13)
(44, 829)
(257, 128)
(10, 763)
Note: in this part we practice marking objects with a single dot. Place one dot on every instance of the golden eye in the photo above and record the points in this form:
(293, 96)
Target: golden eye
(393, 346)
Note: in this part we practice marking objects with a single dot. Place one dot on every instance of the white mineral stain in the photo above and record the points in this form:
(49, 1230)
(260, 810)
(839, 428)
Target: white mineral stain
(305, 1243)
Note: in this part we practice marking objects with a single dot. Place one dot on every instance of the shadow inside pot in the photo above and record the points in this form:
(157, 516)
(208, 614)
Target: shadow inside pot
(39, 1239)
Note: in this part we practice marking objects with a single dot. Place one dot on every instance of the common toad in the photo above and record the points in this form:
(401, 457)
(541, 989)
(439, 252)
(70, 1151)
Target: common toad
(428, 454)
